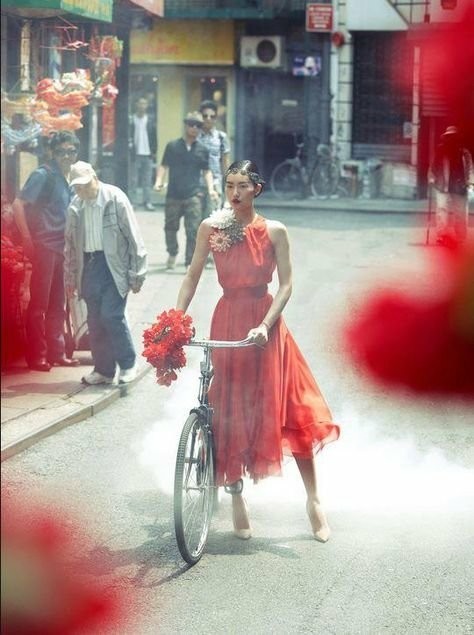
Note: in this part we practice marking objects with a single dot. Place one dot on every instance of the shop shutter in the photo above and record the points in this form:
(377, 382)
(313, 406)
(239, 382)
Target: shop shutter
(382, 102)
(432, 100)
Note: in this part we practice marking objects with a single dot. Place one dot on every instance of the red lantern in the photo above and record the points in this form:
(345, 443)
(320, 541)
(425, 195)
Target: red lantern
(338, 39)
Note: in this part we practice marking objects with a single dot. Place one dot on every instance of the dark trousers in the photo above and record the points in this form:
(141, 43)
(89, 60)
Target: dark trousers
(142, 175)
(46, 310)
(110, 338)
(191, 209)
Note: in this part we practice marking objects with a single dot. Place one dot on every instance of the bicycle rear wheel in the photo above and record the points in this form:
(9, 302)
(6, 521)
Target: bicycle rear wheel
(286, 181)
(193, 489)
(324, 179)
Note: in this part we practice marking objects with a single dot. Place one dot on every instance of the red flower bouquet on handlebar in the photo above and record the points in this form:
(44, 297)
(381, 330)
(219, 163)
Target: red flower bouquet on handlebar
(164, 342)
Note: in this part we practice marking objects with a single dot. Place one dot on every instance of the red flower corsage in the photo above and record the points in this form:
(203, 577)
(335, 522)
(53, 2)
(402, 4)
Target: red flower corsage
(164, 342)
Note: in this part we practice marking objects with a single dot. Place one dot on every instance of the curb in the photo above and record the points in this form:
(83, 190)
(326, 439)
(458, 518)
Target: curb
(80, 414)
(363, 206)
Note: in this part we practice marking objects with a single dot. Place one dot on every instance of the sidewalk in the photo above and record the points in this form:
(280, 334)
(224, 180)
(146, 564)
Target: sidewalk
(36, 404)
(377, 206)
(371, 206)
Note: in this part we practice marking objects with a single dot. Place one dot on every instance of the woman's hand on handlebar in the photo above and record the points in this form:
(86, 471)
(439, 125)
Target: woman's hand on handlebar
(259, 335)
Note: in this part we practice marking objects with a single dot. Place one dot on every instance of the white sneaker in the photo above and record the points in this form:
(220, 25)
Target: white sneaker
(128, 375)
(171, 262)
(95, 378)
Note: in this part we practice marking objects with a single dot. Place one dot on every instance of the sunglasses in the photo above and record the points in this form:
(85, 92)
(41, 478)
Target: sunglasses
(65, 152)
(209, 116)
(193, 124)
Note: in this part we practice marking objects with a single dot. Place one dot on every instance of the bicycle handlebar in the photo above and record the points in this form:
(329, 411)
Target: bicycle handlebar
(220, 343)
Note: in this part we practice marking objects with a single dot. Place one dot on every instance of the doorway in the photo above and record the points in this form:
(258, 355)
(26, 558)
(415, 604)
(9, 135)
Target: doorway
(143, 84)
(213, 87)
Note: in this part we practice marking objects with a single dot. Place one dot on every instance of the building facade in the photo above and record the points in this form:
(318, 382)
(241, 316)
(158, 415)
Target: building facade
(355, 79)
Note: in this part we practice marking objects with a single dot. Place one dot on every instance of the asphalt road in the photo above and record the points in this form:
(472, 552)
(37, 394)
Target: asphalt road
(398, 486)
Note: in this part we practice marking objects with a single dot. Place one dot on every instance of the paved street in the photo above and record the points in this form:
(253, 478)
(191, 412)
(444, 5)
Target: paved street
(397, 486)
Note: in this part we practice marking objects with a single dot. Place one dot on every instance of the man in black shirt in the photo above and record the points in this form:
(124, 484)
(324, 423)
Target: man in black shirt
(183, 161)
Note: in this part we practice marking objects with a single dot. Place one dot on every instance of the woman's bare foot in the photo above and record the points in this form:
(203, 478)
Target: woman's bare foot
(319, 523)
(240, 517)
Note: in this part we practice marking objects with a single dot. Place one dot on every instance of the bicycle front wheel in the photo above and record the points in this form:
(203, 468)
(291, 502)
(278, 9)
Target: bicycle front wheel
(193, 489)
(286, 181)
(324, 179)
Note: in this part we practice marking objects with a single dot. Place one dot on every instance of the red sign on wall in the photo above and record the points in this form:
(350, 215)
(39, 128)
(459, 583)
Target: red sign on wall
(318, 17)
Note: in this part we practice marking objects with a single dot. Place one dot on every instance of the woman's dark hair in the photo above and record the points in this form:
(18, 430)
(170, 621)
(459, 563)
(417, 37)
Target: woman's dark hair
(248, 168)
(64, 136)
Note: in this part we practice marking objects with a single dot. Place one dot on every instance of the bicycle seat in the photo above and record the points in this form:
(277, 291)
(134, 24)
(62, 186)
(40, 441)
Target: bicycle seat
(299, 146)
(323, 150)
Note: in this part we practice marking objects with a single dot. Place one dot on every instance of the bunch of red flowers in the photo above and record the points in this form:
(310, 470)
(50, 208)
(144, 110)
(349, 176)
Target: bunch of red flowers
(164, 342)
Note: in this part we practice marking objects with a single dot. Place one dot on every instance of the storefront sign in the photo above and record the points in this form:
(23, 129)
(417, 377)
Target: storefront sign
(95, 9)
(319, 17)
(169, 42)
(306, 65)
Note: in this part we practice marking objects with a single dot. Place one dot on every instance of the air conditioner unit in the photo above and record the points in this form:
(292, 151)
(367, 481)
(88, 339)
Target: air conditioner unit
(262, 51)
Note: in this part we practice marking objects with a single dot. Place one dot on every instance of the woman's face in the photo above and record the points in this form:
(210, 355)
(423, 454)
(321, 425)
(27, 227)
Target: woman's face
(240, 190)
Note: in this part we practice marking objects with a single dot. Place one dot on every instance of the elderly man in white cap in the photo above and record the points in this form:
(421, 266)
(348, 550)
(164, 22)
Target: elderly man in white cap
(451, 173)
(105, 258)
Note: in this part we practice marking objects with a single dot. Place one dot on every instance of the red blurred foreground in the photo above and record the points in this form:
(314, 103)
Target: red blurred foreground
(43, 591)
(423, 343)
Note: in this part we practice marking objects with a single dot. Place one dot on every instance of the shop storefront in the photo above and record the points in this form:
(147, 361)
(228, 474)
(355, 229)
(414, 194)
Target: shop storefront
(176, 72)
(283, 98)
(48, 82)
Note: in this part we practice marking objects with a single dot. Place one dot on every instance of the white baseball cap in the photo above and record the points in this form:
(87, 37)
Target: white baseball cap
(81, 173)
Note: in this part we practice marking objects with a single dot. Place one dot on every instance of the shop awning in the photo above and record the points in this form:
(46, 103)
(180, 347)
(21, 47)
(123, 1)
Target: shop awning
(93, 9)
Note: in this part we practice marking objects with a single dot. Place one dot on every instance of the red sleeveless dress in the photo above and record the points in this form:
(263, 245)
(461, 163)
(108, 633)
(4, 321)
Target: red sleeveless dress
(266, 401)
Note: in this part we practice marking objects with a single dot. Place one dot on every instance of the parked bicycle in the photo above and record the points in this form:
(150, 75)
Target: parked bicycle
(293, 179)
(194, 483)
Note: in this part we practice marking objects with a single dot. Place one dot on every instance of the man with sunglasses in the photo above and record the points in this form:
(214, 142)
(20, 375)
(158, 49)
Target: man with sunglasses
(217, 143)
(40, 214)
(184, 160)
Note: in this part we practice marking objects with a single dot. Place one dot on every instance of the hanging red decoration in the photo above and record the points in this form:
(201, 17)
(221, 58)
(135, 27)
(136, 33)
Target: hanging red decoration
(338, 39)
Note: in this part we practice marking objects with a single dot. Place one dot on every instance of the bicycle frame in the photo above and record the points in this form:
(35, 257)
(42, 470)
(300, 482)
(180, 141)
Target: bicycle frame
(204, 410)
(206, 364)
(194, 488)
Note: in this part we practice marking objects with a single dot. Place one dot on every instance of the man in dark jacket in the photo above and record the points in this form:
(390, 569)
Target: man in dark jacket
(40, 214)
(143, 145)
(451, 174)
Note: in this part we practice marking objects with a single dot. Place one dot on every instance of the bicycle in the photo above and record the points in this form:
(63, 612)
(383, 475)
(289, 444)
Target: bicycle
(292, 179)
(194, 481)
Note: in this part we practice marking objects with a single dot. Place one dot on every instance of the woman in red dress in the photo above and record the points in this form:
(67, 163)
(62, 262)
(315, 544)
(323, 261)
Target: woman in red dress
(265, 399)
